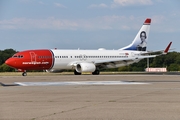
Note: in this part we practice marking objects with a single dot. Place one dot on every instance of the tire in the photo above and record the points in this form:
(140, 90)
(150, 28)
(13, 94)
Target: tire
(96, 72)
(76, 73)
(24, 74)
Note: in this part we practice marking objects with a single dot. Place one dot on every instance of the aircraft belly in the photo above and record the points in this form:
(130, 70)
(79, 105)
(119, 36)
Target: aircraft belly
(61, 65)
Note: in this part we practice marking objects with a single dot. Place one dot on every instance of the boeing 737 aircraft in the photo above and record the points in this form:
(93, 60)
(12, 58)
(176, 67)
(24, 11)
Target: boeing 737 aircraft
(55, 60)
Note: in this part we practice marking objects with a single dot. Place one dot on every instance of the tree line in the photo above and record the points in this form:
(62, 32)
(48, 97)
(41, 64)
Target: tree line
(171, 61)
(4, 55)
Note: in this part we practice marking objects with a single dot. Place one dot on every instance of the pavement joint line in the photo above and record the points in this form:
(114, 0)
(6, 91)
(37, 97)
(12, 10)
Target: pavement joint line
(62, 112)
(114, 100)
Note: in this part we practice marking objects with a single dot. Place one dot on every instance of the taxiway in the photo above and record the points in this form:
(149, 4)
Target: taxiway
(158, 99)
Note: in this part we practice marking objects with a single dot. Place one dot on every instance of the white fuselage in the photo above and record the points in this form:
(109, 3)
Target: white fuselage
(65, 59)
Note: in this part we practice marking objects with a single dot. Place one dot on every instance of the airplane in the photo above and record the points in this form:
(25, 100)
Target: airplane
(57, 60)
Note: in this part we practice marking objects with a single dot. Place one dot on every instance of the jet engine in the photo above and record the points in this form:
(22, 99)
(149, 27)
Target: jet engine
(85, 67)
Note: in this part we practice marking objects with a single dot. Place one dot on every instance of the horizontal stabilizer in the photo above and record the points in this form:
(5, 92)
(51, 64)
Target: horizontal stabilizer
(159, 52)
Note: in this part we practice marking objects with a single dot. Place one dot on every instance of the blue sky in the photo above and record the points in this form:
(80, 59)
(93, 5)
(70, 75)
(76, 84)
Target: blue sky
(87, 24)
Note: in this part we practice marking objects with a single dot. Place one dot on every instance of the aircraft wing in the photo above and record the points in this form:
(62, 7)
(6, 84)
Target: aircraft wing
(159, 52)
(125, 61)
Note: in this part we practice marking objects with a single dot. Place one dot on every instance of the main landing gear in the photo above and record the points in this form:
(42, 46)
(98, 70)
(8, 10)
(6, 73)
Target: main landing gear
(96, 72)
(76, 73)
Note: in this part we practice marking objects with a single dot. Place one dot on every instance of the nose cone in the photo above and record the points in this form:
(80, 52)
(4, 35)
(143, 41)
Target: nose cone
(10, 62)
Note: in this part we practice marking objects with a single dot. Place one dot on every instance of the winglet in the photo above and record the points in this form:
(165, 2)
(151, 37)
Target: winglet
(167, 48)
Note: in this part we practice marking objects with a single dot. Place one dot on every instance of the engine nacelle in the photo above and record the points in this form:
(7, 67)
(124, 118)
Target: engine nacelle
(85, 67)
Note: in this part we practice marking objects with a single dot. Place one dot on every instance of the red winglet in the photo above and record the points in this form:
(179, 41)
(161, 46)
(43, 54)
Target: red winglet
(167, 48)
(147, 21)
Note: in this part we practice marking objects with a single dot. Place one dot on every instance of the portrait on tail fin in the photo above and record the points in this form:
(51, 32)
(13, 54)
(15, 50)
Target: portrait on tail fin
(140, 41)
(142, 45)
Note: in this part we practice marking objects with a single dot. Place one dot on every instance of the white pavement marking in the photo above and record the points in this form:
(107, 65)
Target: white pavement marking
(78, 83)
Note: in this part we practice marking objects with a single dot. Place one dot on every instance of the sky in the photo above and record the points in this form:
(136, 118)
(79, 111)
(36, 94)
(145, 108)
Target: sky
(87, 24)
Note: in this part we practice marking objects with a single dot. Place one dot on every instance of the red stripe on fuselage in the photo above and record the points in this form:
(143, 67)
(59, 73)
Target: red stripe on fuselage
(32, 60)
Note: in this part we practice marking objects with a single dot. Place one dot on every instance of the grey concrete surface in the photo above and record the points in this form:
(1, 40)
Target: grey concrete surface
(159, 100)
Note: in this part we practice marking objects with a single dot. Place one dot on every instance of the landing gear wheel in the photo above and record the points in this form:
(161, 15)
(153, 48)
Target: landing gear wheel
(96, 72)
(76, 73)
(24, 74)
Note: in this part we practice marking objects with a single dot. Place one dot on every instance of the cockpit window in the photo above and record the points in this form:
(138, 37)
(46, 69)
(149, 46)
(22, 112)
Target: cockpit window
(14, 56)
(20, 56)
(17, 56)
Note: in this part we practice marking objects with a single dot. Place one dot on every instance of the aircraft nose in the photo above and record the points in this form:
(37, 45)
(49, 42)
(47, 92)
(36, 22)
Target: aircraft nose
(10, 62)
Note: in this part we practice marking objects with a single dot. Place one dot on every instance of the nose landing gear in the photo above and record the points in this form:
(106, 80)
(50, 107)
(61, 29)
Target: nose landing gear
(24, 74)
